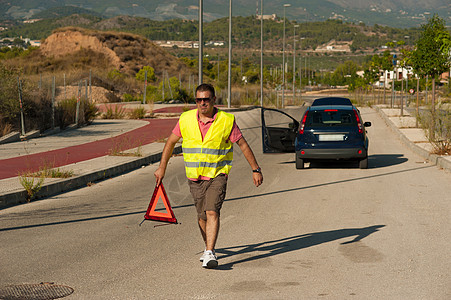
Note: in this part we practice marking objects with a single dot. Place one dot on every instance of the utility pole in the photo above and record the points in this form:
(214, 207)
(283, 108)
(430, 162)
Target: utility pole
(294, 62)
(229, 85)
(283, 57)
(300, 69)
(201, 43)
(145, 87)
(53, 102)
(22, 123)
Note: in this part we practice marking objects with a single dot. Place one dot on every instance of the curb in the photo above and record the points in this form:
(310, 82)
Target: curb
(11, 137)
(435, 159)
(65, 185)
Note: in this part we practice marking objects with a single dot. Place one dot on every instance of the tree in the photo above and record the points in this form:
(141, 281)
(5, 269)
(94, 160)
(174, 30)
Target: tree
(150, 74)
(384, 62)
(431, 56)
(371, 72)
(9, 104)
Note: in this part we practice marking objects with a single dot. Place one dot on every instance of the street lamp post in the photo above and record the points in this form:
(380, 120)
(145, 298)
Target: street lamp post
(229, 85)
(300, 69)
(201, 55)
(283, 57)
(294, 63)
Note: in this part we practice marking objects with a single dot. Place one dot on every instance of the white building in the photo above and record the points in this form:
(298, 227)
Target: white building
(35, 43)
(267, 17)
(397, 74)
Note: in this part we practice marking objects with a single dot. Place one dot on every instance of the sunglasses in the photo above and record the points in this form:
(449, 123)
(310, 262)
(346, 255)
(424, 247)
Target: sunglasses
(203, 99)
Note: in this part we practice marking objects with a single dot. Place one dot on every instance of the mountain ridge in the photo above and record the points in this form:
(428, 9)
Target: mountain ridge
(394, 13)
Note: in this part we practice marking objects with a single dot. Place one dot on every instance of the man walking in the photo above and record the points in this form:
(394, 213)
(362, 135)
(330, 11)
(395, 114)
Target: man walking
(208, 137)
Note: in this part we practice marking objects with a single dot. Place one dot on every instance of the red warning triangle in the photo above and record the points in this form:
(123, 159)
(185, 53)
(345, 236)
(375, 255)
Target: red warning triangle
(151, 214)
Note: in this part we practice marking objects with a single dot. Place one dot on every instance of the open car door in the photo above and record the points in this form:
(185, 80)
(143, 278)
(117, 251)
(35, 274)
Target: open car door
(278, 131)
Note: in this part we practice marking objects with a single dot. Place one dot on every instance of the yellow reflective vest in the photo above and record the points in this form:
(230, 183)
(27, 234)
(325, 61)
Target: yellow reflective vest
(211, 156)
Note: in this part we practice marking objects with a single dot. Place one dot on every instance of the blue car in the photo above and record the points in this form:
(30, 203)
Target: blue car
(330, 129)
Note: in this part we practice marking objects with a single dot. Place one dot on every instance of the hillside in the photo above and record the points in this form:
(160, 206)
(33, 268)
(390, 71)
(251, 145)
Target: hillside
(394, 13)
(246, 31)
(125, 52)
(114, 58)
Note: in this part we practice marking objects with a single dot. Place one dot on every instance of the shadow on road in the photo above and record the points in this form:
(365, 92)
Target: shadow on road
(385, 160)
(374, 162)
(293, 243)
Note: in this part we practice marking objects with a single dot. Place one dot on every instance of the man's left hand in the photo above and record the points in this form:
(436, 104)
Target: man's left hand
(258, 178)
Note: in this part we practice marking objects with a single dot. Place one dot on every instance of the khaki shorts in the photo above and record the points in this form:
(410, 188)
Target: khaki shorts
(208, 194)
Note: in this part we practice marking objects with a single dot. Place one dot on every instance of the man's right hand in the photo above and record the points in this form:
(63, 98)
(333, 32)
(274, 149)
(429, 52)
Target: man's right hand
(159, 174)
(167, 152)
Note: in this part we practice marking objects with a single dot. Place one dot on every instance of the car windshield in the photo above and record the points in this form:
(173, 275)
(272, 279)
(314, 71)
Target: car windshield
(330, 117)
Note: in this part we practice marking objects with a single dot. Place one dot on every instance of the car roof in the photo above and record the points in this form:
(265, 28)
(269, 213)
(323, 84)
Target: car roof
(331, 101)
(324, 107)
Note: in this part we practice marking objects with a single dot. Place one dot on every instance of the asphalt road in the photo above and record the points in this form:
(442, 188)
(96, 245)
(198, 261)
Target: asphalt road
(331, 231)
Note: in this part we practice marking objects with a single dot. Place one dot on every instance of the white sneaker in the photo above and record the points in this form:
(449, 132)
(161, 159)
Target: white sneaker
(202, 257)
(209, 261)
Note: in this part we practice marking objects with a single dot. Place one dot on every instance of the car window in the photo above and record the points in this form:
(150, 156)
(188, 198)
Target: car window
(276, 119)
(330, 117)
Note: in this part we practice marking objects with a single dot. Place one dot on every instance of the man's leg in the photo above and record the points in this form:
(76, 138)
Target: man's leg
(212, 229)
(209, 229)
(208, 198)
(202, 227)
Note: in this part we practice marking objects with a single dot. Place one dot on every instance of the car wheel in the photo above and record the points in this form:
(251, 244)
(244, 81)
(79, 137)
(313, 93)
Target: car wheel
(363, 164)
(299, 162)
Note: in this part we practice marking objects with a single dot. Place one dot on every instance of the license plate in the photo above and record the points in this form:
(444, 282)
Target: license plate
(330, 137)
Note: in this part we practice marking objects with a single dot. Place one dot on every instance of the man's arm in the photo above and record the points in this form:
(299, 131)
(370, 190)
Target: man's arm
(167, 153)
(249, 155)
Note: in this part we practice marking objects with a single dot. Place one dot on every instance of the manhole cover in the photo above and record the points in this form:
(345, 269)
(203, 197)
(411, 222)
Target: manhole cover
(42, 291)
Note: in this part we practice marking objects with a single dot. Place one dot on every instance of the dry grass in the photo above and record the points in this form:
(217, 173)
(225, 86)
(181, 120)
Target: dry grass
(122, 144)
(47, 170)
(5, 128)
(438, 131)
(117, 113)
(137, 113)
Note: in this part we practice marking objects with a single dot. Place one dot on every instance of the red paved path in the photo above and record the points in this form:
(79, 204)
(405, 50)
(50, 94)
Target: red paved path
(156, 129)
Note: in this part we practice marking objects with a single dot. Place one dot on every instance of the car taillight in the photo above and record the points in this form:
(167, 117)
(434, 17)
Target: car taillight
(359, 124)
(301, 127)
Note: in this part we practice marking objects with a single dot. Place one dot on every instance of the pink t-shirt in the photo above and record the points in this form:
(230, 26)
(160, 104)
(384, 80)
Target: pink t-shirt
(235, 134)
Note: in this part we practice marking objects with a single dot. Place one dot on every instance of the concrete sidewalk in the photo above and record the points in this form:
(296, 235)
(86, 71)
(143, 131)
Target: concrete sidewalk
(108, 134)
(413, 137)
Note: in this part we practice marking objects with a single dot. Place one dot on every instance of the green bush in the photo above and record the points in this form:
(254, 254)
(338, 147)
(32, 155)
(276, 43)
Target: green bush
(115, 75)
(36, 104)
(90, 111)
(153, 94)
(67, 110)
(130, 98)
(150, 74)
(9, 104)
